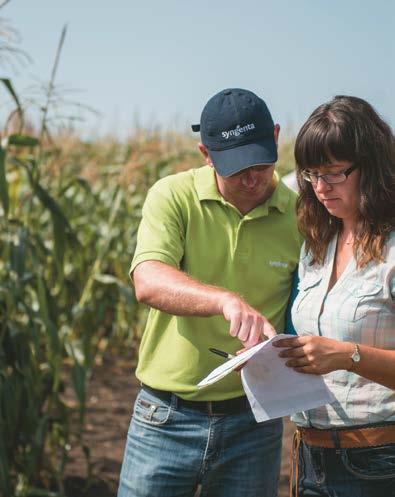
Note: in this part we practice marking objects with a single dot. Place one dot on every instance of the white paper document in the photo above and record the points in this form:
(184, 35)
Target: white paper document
(273, 389)
(229, 366)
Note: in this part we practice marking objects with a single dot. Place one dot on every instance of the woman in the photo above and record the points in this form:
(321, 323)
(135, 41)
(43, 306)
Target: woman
(344, 313)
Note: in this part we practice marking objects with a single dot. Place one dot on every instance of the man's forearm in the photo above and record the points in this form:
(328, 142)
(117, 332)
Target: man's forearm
(170, 290)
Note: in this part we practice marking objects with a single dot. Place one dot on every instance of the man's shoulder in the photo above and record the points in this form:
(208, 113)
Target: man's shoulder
(287, 190)
(290, 181)
(181, 181)
(178, 189)
(286, 215)
(285, 199)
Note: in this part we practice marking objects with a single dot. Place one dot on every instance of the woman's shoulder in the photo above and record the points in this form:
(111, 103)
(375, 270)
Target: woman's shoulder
(306, 256)
(389, 264)
(389, 248)
(308, 269)
(391, 237)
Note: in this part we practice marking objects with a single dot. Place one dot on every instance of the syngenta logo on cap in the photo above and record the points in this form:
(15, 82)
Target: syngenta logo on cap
(237, 131)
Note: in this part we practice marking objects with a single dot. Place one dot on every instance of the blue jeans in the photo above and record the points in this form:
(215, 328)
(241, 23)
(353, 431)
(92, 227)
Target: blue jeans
(171, 449)
(365, 472)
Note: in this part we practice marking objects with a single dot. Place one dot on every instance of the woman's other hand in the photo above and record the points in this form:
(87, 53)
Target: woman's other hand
(315, 355)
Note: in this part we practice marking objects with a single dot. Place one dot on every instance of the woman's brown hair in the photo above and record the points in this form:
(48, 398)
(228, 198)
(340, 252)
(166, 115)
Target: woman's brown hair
(349, 129)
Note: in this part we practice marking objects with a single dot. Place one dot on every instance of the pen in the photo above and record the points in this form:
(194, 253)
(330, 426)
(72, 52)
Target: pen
(223, 354)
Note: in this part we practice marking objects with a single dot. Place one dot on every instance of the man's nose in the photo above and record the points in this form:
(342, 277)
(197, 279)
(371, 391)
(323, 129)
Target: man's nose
(250, 176)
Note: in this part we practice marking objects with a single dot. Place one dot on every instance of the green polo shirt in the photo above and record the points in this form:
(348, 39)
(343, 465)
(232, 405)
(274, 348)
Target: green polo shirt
(186, 223)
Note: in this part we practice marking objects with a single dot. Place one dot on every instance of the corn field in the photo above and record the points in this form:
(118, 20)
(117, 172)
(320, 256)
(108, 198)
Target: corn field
(69, 213)
(68, 230)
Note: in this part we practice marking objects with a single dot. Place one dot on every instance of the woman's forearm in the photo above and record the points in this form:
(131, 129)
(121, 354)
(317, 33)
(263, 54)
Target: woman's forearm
(322, 355)
(377, 365)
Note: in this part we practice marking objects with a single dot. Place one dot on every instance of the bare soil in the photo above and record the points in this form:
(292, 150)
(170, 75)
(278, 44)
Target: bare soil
(111, 395)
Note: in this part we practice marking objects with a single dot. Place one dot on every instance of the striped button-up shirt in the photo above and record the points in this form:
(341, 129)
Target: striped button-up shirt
(359, 308)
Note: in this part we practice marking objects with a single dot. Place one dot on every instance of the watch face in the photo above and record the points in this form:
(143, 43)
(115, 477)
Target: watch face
(356, 357)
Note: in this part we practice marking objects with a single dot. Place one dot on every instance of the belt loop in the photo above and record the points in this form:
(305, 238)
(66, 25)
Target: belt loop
(174, 401)
(209, 408)
(335, 439)
(294, 466)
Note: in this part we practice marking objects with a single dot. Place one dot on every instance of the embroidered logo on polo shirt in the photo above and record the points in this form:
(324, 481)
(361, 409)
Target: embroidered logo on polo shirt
(278, 264)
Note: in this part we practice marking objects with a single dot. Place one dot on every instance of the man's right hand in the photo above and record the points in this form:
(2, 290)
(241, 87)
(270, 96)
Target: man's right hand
(247, 324)
(169, 289)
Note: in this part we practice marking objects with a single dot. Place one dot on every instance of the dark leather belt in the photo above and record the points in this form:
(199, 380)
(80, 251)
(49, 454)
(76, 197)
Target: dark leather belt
(211, 407)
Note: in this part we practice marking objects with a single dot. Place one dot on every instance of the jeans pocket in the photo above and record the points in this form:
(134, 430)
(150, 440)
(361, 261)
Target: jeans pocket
(312, 464)
(151, 410)
(371, 463)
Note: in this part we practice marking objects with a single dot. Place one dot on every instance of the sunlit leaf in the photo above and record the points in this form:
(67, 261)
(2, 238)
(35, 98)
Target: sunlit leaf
(23, 140)
(4, 198)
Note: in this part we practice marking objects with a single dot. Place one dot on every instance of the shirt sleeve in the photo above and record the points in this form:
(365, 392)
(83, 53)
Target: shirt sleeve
(161, 233)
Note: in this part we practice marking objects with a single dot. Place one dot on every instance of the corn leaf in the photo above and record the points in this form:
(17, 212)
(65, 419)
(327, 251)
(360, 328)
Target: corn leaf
(125, 290)
(8, 85)
(23, 140)
(18, 253)
(4, 198)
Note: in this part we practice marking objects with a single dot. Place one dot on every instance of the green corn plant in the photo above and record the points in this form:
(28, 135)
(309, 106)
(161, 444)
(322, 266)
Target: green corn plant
(69, 213)
(65, 246)
(54, 295)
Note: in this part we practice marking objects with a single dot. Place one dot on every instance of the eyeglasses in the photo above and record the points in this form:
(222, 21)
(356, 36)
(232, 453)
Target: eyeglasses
(329, 178)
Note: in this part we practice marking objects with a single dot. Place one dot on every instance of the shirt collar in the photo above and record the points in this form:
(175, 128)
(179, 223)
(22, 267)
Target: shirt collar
(206, 188)
(205, 184)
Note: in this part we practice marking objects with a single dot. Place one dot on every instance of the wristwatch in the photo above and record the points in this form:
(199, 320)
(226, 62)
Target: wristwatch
(355, 356)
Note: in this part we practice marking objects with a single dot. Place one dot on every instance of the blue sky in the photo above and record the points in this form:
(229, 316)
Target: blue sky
(157, 62)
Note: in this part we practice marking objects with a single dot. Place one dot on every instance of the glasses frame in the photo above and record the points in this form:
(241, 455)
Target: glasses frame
(314, 178)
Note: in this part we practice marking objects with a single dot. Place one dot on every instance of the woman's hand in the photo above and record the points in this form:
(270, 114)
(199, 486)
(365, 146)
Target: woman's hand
(315, 355)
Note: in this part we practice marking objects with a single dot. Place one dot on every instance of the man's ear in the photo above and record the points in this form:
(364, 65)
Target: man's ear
(276, 133)
(203, 150)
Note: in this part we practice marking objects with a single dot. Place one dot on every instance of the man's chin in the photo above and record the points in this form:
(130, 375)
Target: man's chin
(256, 191)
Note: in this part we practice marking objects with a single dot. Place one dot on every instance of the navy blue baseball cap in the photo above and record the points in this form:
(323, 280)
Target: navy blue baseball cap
(237, 129)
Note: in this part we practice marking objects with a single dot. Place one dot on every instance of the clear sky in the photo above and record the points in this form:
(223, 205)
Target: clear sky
(158, 61)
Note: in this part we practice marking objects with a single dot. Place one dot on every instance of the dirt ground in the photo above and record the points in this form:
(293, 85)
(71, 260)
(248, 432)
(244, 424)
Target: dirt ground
(111, 395)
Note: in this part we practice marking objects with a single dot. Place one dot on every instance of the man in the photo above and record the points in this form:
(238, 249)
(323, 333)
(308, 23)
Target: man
(216, 250)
